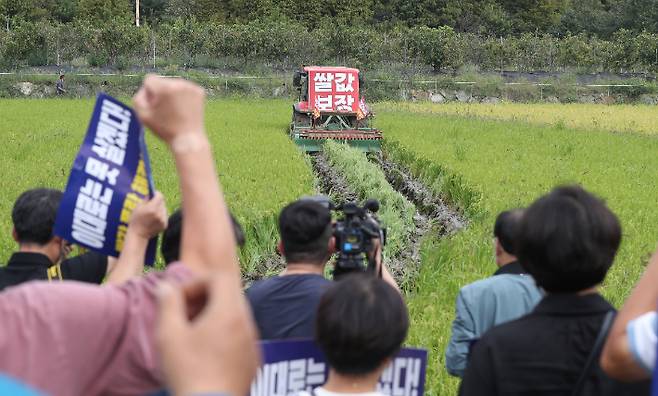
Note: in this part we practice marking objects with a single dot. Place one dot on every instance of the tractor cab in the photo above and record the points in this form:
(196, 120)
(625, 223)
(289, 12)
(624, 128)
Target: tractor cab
(330, 107)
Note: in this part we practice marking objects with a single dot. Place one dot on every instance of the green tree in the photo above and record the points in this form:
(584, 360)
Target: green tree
(103, 11)
(534, 15)
(637, 15)
(588, 16)
(152, 11)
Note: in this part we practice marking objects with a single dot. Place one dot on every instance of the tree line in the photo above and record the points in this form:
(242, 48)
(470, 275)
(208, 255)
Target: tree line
(412, 36)
(600, 18)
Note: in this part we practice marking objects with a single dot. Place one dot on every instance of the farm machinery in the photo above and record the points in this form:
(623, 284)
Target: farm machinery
(330, 107)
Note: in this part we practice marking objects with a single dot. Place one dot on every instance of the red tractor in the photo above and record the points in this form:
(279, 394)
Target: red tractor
(330, 107)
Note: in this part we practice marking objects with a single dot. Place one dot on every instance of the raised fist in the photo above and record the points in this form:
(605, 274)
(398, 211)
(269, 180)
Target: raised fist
(170, 107)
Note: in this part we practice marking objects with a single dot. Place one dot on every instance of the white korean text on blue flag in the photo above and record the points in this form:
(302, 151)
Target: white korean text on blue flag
(111, 174)
(299, 365)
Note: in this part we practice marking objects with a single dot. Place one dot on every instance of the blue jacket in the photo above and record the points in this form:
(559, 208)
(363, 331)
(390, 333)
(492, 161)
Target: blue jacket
(481, 305)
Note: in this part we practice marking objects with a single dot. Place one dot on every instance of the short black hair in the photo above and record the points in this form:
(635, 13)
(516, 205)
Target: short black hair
(171, 237)
(361, 321)
(34, 215)
(305, 229)
(506, 229)
(568, 240)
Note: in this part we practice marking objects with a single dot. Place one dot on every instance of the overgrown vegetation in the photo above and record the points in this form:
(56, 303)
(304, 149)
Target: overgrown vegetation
(486, 17)
(368, 181)
(261, 46)
(485, 167)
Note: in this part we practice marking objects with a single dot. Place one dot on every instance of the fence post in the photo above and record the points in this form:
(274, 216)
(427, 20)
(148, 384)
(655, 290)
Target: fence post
(153, 38)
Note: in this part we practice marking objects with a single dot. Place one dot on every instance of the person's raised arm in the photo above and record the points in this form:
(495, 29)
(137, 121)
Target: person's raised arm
(173, 109)
(197, 355)
(617, 360)
(381, 268)
(148, 219)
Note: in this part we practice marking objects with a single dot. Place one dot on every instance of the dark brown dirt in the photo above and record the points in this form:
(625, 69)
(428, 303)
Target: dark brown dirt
(332, 183)
(426, 201)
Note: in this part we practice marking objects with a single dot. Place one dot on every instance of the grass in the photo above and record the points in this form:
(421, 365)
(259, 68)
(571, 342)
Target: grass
(612, 118)
(486, 166)
(260, 169)
(368, 181)
(481, 166)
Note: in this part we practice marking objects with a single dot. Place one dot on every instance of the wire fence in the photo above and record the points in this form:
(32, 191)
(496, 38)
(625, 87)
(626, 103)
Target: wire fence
(439, 89)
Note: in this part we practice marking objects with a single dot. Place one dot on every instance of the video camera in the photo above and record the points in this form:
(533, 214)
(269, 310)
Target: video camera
(354, 231)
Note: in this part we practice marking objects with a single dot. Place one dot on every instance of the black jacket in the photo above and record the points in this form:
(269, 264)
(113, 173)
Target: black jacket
(23, 267)
(544, 352)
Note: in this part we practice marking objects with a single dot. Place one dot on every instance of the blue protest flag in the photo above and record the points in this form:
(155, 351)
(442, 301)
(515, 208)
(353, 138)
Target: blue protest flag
(111, 174)
(292, 366)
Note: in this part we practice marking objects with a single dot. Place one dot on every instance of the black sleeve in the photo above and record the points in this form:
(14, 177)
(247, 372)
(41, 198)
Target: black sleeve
(89, 267)
(479, 378)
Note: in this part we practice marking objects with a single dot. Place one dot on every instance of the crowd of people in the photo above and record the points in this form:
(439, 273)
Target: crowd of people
(93, 325)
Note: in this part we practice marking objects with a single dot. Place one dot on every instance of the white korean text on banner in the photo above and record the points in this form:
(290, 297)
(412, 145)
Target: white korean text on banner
(293, 366)
(333, 90)
(111, 174)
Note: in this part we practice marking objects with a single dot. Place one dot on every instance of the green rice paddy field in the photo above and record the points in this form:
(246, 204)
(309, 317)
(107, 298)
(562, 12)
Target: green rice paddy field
(481, 159)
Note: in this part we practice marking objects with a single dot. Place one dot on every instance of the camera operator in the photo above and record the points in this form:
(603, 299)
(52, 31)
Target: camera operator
(361, 324)
(284, 306)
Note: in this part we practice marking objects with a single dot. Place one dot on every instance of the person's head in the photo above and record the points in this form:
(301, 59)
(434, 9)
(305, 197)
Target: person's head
(171, 237)
(33, 217)
(568, 240)
(306, 233)
(361, 323)
(61, 76)
(505, 232)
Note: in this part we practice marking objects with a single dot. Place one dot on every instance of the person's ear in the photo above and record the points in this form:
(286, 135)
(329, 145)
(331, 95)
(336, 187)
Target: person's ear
(14, 234)
(279, 249)
(60, 242)
(498, 248)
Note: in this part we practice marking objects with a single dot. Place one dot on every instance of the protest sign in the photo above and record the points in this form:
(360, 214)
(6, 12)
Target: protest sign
(334, 89)
(293, 366)
(111, 174)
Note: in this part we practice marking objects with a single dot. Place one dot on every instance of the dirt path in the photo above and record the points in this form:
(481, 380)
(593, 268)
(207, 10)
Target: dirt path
(432, 214)
(426, 201)
(332, 183)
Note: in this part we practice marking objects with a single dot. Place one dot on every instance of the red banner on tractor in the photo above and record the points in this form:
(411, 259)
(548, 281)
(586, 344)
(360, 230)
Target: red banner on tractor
(333, 89)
